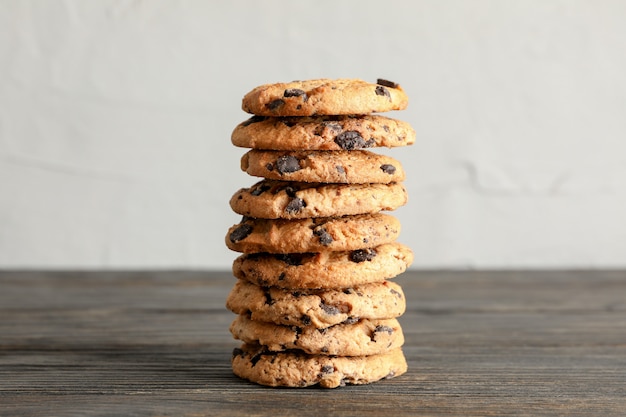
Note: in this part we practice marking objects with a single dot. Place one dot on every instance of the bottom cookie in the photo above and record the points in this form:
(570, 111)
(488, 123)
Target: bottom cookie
(296, 369)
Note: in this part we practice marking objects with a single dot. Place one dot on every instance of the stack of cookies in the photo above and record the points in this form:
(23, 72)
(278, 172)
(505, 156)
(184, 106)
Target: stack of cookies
(313, 297)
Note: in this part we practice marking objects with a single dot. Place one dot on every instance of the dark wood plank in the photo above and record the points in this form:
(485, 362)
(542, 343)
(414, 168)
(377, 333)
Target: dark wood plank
(157, 343)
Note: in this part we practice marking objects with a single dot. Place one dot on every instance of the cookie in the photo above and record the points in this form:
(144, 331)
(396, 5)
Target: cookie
(317, 308)
(365, 337)
(325, 97)
(327, 133)
(297, 369)
(272, 199)
(313, 234)
(324, 269)
(344, 167)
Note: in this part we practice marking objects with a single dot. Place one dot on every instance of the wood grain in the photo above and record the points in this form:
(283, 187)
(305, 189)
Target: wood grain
(157, 343)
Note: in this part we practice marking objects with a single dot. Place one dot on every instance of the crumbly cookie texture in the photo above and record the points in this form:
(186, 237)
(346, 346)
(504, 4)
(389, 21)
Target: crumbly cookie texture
(313, 234)
(297, 369)
(319, 309)
(272, 199)
(327, 269)
(344, 167)
(329, 133)
(365, 337)
(325, 97)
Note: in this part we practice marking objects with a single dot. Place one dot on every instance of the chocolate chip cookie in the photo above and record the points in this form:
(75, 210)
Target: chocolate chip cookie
(341, 269)
(343, 167)
(272, 199)
(328, 133)
(317, 308)
(325, 97)
(345, 233)
(365, 337)
(298, 369)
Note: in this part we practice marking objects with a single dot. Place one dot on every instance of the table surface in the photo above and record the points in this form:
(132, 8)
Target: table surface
(157, 343)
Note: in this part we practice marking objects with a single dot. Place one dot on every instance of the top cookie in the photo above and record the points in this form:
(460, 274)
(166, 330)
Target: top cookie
(324, 97)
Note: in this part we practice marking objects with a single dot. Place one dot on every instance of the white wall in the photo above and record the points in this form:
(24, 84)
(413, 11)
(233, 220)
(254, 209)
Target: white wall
(115, 122)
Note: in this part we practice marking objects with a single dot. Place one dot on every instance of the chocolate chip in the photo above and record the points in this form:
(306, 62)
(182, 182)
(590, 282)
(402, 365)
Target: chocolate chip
(324, 237)
(332, 310)
(382, 91)
(276, 104)
(295, 92)
(380, 329)
(259, 189)
(281, 276)
(328, 124)
(269, 167)
(268, 296)
(295, 206)
(351, 320)
(396, 293)
(257, 357)
(238, 352)
(293, 259)
(287, 164)
(387, 83)
(240, 233)
(334, 126)
(350, 140)
(362, 255)
(253, 119)
(339, 308)
(328, 369)
(290, 191)
(306, 320)
(388, 169)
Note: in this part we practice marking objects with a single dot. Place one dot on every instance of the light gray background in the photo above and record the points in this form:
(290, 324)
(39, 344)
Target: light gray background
(115, 122)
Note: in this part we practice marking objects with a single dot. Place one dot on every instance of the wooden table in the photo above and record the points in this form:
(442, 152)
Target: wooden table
(157, 343)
